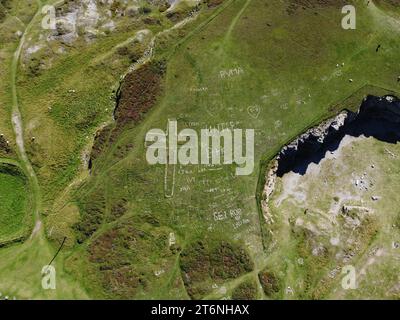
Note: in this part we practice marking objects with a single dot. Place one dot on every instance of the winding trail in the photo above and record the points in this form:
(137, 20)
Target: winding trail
(235, 21)
(383, 18)
(16, 121)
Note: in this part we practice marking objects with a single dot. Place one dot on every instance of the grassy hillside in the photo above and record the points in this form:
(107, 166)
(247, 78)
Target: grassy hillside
(141, 231)
(292, 78)
(15, 218)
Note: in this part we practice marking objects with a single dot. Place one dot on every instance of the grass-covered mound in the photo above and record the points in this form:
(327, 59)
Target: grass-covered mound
(245, 291)
(14, 203)
(221, 261)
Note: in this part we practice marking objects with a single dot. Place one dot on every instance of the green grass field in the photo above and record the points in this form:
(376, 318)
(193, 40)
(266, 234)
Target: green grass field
(119, 218)
(14, 203)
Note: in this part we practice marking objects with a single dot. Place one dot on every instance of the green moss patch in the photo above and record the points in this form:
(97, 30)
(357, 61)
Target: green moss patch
(14, 203)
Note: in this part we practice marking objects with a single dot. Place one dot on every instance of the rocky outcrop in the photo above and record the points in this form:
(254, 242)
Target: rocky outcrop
(312, 140)
(378, 117)
(269, 187)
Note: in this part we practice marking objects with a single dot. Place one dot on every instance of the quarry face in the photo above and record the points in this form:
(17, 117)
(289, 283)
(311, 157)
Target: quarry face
(340, 194)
